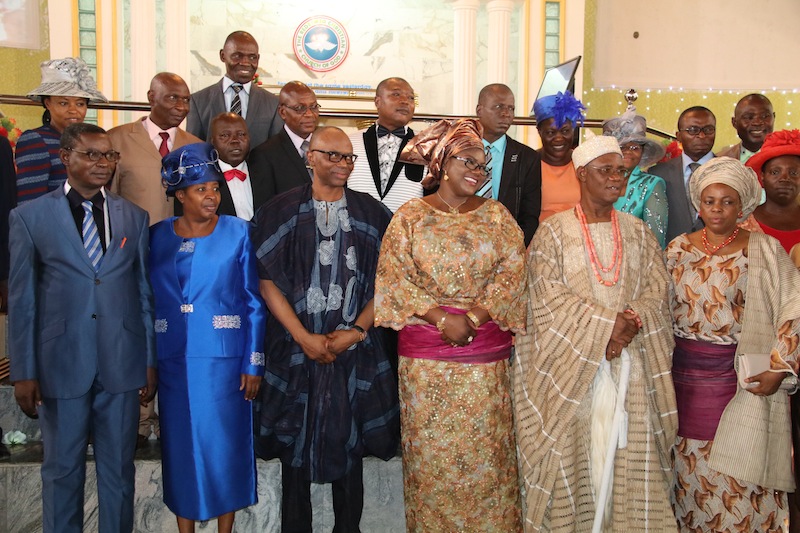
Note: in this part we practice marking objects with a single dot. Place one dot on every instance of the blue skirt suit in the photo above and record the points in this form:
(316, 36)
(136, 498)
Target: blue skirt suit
(210, 322)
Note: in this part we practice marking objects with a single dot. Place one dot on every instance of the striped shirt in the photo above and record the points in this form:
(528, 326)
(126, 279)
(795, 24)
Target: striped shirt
(39, 167)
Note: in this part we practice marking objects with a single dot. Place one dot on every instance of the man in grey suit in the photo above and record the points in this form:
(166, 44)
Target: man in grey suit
(81, 331)
(280, 163)
(236, 93)
(697, 130)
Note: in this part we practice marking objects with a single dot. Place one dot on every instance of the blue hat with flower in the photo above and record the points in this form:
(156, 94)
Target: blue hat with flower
(561, 107)
(189, 165)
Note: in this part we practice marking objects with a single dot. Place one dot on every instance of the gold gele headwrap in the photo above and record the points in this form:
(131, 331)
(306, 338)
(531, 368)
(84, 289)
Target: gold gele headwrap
(436, 144)
(732, 173)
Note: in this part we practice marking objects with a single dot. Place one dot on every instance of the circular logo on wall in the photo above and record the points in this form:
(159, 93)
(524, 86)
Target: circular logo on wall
(321, 43)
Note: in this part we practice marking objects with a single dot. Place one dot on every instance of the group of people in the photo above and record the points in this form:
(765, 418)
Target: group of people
(567, 339)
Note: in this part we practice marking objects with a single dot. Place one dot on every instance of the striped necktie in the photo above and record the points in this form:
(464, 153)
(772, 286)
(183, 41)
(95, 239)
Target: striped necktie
(91, 239)
(486, 189)
(236, 103)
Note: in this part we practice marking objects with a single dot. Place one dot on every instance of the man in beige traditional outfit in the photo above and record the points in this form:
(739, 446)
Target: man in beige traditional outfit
(597, 285)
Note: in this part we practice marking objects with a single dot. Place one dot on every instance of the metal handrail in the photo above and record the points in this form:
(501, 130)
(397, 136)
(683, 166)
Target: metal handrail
(350, 114)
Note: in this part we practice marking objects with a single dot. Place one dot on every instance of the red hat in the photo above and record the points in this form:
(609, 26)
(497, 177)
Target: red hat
(784, 142)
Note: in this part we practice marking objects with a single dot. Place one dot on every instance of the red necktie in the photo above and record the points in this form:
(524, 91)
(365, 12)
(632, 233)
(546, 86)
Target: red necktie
(164, 148)
(233, 174)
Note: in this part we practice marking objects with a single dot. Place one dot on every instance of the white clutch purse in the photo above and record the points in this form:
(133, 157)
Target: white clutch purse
(753, 364)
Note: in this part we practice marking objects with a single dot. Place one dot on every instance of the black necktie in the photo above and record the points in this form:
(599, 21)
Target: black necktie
(399, 132)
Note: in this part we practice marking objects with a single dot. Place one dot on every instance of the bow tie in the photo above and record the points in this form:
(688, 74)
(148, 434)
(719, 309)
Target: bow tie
(233, 174)
(399, 132)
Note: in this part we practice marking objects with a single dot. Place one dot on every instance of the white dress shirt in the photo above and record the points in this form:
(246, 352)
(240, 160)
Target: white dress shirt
(241, 191)
(154, 132)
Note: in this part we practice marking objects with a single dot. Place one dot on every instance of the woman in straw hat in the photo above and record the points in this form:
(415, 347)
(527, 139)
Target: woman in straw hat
(67, 88)
(735, 300)
(645, 195)
(451, 279)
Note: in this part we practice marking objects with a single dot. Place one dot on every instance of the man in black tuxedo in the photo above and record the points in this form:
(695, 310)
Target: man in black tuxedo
(236, 92)
(280, 163)
(377, 171)
(516, 177)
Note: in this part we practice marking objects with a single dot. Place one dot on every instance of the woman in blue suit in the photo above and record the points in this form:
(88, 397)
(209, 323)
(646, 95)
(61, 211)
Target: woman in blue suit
(209, 326)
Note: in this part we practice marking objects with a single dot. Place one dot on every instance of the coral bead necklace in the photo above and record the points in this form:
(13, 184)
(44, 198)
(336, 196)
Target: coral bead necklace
(616, 257)
(710, 249)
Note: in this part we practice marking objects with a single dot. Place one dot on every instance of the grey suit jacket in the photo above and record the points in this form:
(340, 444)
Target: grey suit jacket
(138, 174)
(68, 323)
(262, 117)
(680, 219)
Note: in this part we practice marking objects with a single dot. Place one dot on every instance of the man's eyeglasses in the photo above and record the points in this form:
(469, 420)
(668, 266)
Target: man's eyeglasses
(474, 165)
(612, 171)
(694, 131)
(301, 109)
(335, 157)
(111, 156)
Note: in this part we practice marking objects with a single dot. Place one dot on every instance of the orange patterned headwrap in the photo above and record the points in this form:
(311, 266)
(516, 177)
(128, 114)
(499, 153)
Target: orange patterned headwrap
(436, 144)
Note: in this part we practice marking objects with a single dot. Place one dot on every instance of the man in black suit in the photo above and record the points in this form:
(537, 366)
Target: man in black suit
(280, 163)
(516, 177)
(241, 193)
(236, 93)
(697, 131)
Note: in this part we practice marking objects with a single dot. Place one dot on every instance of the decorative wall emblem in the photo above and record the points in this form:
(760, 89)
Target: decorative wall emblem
(321, 43)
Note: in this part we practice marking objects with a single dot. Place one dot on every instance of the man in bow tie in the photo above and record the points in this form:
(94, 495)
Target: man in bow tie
(377, 171)
(243, 191)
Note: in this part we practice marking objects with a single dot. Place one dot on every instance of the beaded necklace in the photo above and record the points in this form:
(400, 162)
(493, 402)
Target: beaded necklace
(616, 257)
(711, 250)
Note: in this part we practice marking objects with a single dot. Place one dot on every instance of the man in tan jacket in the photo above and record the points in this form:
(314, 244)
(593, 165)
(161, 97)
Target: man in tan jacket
(142, 144)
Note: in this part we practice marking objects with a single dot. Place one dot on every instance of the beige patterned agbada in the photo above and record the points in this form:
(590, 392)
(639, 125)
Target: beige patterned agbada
(570, 319)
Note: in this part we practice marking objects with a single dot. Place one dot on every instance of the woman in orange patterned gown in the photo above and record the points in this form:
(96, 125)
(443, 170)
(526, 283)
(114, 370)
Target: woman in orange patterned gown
(451, 279)
(734, 293)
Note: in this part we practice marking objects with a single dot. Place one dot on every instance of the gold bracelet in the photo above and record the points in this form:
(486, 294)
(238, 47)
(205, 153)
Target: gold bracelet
(474, 319)
(440, 323)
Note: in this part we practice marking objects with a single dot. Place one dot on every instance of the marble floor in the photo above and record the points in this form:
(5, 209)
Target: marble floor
(20, 490)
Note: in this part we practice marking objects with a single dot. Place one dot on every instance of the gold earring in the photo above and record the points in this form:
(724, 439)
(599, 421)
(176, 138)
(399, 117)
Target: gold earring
(446, 177)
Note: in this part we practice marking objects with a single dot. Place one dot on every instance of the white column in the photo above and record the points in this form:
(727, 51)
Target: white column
(574, 29)
(465, 13)
(499, 28)
(108, 45)
(143, 59)
(61, 19)
(177, 41)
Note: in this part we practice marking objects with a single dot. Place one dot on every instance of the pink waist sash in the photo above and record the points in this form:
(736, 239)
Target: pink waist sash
(424, 342)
